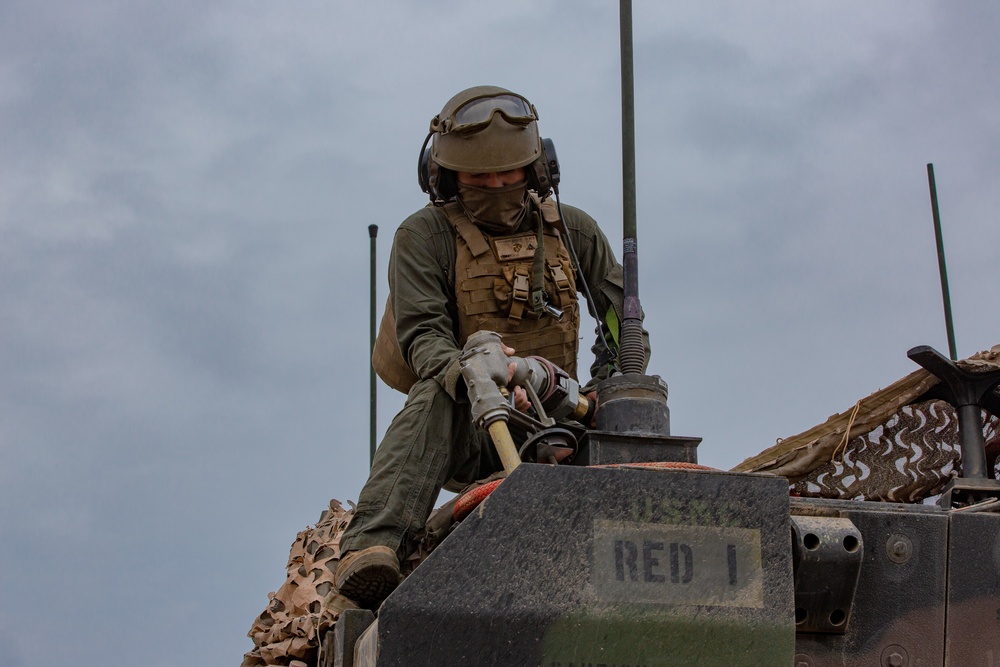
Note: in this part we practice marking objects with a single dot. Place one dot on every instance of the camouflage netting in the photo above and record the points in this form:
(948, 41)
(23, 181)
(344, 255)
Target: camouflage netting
(297, 617)
(897, 444)
(291, 630)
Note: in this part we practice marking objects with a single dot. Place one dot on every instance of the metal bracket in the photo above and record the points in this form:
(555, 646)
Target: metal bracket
(826, 560)
(338, 647)
(966, 391)
(963, 492)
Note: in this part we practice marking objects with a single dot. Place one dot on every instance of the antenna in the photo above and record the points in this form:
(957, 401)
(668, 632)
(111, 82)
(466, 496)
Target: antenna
(372, 234)
(632, 355)
(631, 402)
(942, 268)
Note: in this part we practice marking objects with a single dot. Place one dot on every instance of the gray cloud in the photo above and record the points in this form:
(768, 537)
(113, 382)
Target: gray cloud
(184, 199)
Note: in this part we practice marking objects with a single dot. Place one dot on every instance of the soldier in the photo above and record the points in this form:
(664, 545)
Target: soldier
(463, 264)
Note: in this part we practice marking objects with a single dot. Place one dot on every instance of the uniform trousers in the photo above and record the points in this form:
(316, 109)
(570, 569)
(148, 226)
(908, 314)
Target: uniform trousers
(430, 442)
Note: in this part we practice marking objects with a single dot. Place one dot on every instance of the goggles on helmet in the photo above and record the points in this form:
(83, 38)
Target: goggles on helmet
(477, 114)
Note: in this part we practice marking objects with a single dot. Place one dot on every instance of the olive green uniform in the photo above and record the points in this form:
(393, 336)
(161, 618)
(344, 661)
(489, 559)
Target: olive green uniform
(432, 440)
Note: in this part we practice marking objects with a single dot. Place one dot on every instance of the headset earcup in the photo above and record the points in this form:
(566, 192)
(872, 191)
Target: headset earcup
(423, 167)
(435, 181)
(551, 163)
(543, 173)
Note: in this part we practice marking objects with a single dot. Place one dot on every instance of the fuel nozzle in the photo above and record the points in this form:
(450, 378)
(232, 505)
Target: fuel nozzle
(553, 393)
(484, 369)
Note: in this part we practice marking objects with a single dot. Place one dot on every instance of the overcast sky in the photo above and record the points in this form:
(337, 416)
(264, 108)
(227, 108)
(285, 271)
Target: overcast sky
(185, 191)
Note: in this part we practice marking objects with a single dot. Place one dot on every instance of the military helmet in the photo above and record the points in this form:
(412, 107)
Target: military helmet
(483, 129)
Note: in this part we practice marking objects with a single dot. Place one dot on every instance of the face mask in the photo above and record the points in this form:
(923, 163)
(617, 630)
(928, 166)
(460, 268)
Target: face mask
(498, 210)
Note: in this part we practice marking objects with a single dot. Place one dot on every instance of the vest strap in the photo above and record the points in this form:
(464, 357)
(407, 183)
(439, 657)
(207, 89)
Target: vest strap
(472, 235)
(519, 295)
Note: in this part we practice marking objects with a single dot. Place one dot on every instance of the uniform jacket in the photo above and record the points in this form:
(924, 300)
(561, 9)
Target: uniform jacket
(422, 288)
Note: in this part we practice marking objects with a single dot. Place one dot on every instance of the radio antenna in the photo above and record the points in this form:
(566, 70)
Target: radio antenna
(372, 234)
(632, 355)
(631, 402)
(942, 268)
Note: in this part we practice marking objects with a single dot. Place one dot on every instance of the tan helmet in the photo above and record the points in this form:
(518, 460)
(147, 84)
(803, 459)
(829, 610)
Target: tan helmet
(485, 129)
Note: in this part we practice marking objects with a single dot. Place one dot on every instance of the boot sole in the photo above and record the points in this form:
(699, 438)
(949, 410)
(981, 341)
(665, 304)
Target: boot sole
(371, 583)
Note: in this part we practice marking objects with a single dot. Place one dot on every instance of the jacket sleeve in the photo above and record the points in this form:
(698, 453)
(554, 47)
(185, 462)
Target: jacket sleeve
(422, 300)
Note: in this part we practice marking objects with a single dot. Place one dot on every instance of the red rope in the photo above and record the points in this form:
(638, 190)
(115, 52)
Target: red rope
(471, 499)
(658, 465)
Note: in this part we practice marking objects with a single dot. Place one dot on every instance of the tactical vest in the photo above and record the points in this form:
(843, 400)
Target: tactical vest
(492, 291)
(493, 280)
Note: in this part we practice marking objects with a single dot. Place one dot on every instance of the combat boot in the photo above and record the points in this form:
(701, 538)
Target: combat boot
(368, 576)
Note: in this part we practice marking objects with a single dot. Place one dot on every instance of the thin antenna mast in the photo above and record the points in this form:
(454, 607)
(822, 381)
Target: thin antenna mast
(631, 402)
(632, 355)
(372, 234)
(942, 268)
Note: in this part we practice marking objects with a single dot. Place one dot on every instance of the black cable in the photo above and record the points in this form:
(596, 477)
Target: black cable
(606, 356)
